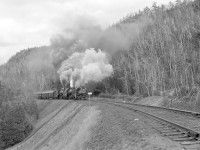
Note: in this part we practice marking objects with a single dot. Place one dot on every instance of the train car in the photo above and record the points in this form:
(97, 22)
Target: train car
(68, 93)
(50, 94)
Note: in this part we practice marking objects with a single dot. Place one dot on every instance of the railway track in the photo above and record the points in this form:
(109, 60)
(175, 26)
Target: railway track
(178, 125)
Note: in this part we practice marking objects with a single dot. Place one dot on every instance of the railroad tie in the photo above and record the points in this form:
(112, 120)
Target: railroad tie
(177, 136)
(190, 142)
(183, 139)
(176, 131)
(169, 131)
(174, 134)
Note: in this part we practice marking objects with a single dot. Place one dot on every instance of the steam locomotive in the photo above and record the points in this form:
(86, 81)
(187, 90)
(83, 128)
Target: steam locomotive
(65, 93)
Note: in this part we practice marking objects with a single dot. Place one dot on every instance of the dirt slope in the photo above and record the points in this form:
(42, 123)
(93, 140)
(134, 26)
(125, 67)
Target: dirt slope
(62, 125)
(73, 125)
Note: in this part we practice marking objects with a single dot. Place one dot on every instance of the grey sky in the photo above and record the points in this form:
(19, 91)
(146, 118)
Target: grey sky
(26, 23)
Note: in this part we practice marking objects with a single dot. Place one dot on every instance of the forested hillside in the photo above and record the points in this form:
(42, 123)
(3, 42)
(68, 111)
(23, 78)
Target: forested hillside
(166, 53)
(164, 56)
(25, 73)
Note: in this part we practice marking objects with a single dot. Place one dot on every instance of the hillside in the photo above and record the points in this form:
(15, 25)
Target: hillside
(163, 56)
(29, 67)
(56, 119)
(20, 77)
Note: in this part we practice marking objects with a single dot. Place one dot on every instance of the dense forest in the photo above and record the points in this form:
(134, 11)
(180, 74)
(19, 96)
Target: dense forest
(165, 56)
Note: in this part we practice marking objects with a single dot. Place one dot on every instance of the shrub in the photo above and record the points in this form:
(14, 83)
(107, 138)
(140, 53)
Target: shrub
(15, 125)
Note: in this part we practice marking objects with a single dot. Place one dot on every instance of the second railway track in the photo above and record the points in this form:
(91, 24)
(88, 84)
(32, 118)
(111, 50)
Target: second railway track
(179, 125)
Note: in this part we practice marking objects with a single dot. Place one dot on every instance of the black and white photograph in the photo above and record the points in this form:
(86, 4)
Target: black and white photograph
(99, 74)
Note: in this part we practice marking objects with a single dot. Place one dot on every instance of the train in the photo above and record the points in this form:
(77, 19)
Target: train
(66, 94)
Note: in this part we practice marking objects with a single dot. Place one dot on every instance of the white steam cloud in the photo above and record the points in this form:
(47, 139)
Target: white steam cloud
(83, 67)
(77, 63)
(86, 34)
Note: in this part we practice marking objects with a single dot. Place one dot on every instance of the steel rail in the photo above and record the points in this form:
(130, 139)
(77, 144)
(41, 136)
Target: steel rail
(193, 113)
(190, 132)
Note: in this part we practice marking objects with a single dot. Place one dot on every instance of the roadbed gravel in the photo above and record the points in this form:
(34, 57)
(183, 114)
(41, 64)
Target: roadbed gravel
(122, 129)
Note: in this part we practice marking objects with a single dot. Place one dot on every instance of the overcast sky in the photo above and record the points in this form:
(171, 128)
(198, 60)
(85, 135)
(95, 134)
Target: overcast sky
(30, 23)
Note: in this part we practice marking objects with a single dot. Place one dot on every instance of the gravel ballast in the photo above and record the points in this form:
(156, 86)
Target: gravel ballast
(122, 129)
